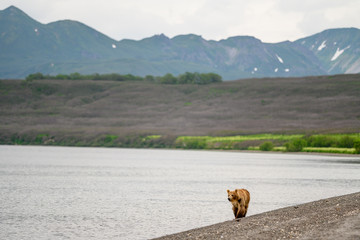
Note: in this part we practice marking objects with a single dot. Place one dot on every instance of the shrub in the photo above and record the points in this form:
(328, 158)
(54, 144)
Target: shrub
(357, 146)
(191, 143)
(186, 78)
(320, 141)
(196, 144)
(110, 138)
(40, 138)
(34, 76)
(168, 79)
(149, 78)
(346, 142)
(267, 146)
(295, 145)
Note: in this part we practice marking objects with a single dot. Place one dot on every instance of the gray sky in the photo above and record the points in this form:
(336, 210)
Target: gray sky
(268, 20)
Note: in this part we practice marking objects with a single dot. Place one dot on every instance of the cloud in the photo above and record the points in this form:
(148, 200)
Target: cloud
(270, 21)
(323, 14)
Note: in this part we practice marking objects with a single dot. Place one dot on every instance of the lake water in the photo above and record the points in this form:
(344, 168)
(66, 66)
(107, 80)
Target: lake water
(99, 193)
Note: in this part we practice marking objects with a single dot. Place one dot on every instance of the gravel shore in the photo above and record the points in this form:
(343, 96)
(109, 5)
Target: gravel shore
(332, 218)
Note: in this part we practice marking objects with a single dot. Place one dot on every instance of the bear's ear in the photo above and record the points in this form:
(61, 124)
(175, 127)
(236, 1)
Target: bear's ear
(228, 191)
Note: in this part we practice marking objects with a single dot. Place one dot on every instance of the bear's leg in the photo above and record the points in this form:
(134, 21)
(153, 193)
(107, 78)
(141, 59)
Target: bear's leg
(246, 208)
(235, 210)
(241, 213)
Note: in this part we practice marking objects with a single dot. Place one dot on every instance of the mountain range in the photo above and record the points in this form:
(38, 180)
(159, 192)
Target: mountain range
(28, 46)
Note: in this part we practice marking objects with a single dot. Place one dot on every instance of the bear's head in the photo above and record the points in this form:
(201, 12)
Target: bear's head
(232, 196)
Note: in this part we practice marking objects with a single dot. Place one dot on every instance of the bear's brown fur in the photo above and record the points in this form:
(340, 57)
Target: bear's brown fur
(240, 199)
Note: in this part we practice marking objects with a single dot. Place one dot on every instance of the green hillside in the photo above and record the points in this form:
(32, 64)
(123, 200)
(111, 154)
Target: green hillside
(84, 111)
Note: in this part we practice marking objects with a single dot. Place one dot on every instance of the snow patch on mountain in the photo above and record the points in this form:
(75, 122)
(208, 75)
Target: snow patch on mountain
(279, 58)
(113, 46)
(322, 45)
(338, 53)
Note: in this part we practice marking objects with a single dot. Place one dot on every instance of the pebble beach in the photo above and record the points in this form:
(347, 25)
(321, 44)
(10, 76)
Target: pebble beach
(332, 218)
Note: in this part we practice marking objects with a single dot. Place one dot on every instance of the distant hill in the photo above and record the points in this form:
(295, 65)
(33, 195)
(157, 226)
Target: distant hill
(27, 46)
(86, 109)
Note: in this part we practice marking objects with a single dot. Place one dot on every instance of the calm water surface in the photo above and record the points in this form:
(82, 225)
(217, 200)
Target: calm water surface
(97, 193)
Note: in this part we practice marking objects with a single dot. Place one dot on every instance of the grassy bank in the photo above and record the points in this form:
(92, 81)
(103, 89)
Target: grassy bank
(225, 115)
(329, 143)
(325, 143)
(80, 140)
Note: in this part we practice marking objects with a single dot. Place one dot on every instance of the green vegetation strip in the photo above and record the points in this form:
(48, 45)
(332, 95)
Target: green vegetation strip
(326, 143)
(330, 143)
(242, 138)
(330, 150)
(186, 78)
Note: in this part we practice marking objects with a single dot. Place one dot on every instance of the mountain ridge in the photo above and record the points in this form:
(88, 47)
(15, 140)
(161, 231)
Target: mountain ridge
(66, 46)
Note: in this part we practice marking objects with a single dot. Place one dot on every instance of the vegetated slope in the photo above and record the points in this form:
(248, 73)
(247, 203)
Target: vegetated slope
(63, 47)
(91, 108)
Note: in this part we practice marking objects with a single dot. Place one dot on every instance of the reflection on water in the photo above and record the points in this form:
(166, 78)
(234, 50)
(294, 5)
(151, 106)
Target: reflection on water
(84, 193)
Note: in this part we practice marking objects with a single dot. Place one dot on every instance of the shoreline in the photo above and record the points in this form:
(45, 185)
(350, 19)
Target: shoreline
(182, 149)
(331, 218)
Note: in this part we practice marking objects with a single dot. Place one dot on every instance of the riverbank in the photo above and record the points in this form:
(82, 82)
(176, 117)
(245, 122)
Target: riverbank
(332, 218)
(348, 143)
(317, 114)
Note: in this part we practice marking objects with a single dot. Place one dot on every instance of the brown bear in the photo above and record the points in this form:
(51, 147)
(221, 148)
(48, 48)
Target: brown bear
(240, 199)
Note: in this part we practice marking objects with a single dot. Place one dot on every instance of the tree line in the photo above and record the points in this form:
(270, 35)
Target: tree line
(186, 78)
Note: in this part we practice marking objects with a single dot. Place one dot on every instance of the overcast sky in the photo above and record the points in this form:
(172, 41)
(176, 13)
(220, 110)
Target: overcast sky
(268, 20)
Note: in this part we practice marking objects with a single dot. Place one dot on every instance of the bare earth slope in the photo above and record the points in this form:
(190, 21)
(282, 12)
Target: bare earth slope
(333, 218)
